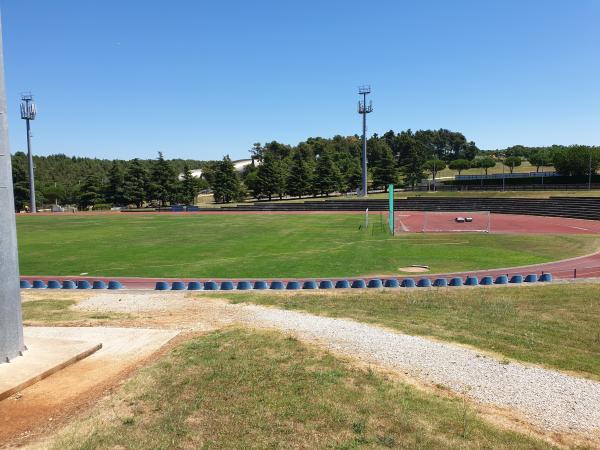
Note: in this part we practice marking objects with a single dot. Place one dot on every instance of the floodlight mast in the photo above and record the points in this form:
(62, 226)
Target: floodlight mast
(11, 322)
(28, 113)
(364, 109)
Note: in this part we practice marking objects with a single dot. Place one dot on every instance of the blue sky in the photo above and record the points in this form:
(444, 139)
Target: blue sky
(198, 79)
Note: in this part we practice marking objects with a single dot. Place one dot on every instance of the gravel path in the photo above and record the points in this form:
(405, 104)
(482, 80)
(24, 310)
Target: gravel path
(550, 399)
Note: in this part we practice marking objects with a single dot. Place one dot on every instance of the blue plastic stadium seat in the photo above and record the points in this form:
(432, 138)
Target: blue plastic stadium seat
(39, 284)
(261, 285)
(227, 286)
(53, 284)
(83, 284)
(195, 286)
(440, 282)
(192, 208)
(545, 277)
(292, 285)
(277, 285)
(99, 284)
(486, 281)
(408, 283)
(471, 281)
(391, 283)
(178, 286)
(516, 279)
(162, 286)
(211, 286)
(375, 283)
(501, 279)
(358, 284)
(456, 281)
(68, 284)
(424, 282)
(244, 286)
(114, 284)
(342, 284)
(310, 284)
(531, 278)
(24, 284)
(325, 284)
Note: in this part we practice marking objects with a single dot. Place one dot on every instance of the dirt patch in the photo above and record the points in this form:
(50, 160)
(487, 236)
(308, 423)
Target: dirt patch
(414, 269)
(40, 407)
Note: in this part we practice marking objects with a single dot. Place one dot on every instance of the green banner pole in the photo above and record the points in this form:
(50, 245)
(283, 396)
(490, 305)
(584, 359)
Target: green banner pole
(391, 219)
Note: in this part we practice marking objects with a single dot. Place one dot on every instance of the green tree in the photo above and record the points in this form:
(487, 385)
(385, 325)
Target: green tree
(385, 171)
(511, 162)
(271, 176)
(540, 158)
(115, 188)
(459, 165)
(300, 176)
(135, 183)
(90, 192)
(189, 187)
(575, 160)
(434, 166)
(226, 184)
(412, 166)
(327, 174)
(163, 181)
(353, 175)
(20, 184)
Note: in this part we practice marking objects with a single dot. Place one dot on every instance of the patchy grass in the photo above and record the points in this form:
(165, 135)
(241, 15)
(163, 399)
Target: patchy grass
(54, 311)
(262, 245)
(242, 389)
(555, 325)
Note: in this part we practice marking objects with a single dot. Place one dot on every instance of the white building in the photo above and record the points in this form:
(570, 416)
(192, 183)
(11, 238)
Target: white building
(239, 165)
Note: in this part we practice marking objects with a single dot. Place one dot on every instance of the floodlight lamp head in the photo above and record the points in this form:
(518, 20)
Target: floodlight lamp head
(28, 109)
(364, 89)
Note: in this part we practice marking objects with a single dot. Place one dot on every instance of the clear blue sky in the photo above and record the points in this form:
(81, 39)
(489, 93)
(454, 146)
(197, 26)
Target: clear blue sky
(199, 79)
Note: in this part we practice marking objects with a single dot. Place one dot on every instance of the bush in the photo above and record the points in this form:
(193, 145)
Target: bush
(102, 207)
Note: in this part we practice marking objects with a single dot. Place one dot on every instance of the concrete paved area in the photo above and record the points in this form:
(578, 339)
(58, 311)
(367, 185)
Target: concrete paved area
(43, 357)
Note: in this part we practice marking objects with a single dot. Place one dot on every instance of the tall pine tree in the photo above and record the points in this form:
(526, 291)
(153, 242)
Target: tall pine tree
(115, 189)
(299, 178)
(163, 181)
(135, 183)
(327, 174)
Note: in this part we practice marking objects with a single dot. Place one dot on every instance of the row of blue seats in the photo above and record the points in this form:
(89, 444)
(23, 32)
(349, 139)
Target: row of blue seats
(346, 284)
(292, 285)
(69, 284)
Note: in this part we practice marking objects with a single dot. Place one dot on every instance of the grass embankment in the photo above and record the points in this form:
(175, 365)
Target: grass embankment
(51, 312)
(318, 245)
(241, 389)
(554, 325)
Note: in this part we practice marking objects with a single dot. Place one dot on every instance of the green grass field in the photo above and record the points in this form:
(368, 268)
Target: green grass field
(263, 390)
(555, 325)
(240, 246)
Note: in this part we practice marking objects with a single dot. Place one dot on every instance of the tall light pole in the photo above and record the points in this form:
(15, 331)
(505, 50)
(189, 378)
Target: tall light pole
(11, 322)
(28, 113)
(364, 109)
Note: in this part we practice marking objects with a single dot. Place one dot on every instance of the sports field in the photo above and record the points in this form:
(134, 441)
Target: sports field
(238, 246)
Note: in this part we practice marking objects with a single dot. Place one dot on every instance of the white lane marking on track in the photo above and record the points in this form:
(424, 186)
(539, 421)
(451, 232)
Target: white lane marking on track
(579, 228)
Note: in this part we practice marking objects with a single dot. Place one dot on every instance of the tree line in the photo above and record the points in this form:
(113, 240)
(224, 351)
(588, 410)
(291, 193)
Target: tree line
(88, 182)
(320, 166)
(317, 166)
